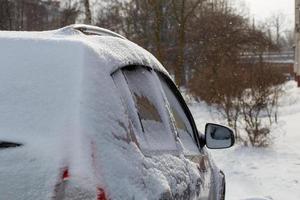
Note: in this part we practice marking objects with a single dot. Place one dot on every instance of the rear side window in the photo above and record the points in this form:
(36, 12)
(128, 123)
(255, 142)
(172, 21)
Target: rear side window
(182, 123)
(145, 97)
(146, 108)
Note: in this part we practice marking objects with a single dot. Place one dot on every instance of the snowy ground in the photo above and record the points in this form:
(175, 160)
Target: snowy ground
(258, 173)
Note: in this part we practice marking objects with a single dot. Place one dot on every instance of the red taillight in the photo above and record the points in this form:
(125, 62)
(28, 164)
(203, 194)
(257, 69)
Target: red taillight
(67, 186)
(65, 174)
(101, 194)
(59, 189)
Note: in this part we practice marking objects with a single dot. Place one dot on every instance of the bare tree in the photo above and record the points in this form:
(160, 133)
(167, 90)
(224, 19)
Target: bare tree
(68, 13)
(87, 11)
(36, 14)
(6, 21)
(157, 6)
(182, 11)
(277, 23)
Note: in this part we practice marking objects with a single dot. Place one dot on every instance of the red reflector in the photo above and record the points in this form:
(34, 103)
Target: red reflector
(65, 174)
(101, 194)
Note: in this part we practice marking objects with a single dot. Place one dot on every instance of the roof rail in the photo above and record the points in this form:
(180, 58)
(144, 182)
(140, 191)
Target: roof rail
(94, 30)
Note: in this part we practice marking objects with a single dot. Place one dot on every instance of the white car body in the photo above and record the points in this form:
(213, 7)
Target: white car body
(59, 101)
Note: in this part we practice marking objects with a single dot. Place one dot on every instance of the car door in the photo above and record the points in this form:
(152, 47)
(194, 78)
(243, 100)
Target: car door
(189, 138)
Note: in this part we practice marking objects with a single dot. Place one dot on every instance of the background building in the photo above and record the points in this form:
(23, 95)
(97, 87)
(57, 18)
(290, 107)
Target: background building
(297, 41)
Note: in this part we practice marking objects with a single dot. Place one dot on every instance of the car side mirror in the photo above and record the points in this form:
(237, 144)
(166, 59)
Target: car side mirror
(218, 137)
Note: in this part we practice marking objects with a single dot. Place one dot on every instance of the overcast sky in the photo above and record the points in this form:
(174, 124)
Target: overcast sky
(262, 9)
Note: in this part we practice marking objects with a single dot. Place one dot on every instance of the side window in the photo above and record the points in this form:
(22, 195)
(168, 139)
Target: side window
(182, 123)
(145, 105)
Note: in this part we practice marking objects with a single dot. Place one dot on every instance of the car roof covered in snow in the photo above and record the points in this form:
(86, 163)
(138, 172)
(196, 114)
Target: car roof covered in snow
(105, 44)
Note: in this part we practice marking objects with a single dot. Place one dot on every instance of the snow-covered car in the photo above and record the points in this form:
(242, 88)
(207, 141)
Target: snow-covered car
(87, 114)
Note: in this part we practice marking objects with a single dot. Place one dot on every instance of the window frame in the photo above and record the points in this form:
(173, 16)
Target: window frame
(184, 106)
(150, 69)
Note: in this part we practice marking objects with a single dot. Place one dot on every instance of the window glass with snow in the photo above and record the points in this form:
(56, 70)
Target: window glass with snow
(146, 108)
(182, 123)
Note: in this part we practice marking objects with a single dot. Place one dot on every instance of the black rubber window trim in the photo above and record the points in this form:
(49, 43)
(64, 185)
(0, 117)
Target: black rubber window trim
(187, 111)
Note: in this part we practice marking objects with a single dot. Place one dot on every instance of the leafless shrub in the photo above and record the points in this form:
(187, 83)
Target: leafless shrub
(260, 99)
(220, 88)
(233, 76)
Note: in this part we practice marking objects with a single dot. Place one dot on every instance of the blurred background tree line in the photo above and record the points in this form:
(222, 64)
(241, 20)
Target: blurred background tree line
(211, 49)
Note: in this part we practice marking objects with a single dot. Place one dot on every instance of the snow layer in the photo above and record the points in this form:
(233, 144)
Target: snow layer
(263, 174)
(58, 99)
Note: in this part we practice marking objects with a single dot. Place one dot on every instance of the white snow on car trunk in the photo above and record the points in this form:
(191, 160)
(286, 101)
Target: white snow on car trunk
(263, 173)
